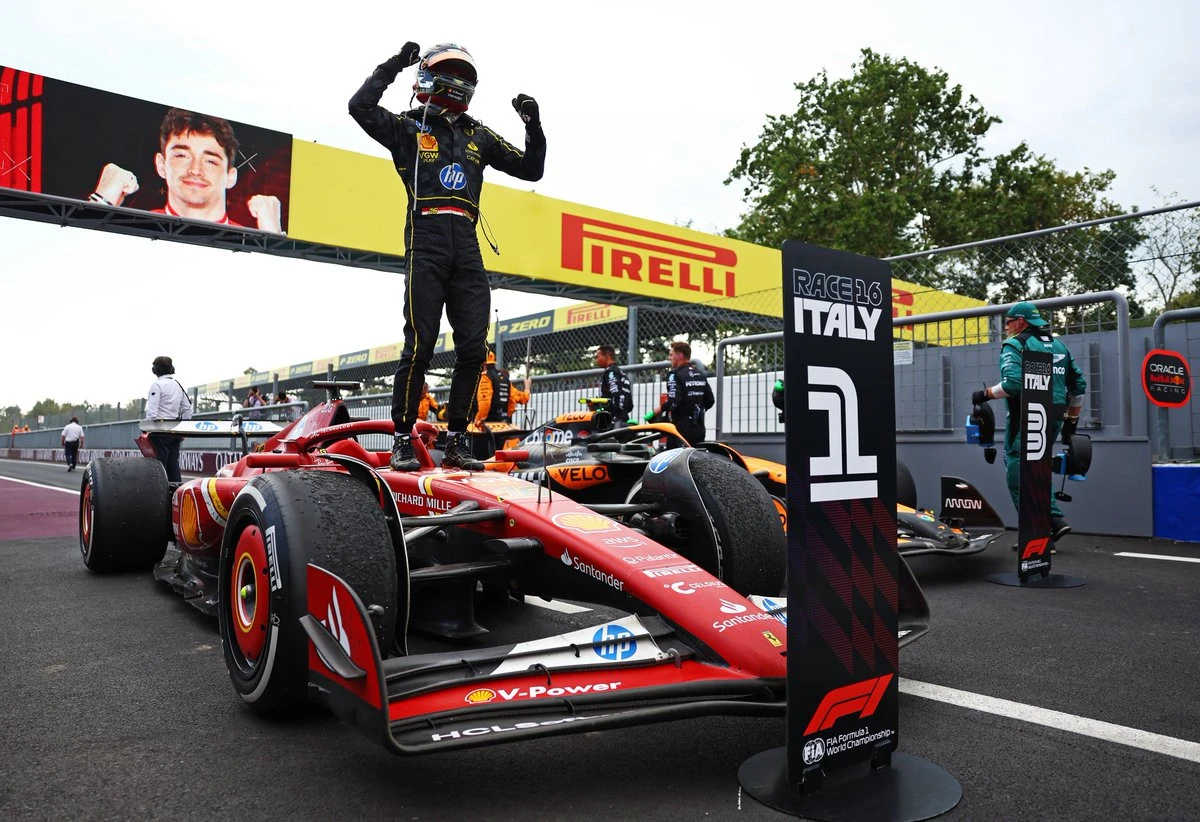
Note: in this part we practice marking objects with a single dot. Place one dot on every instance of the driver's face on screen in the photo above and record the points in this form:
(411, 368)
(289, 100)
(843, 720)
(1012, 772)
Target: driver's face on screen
(196, 170)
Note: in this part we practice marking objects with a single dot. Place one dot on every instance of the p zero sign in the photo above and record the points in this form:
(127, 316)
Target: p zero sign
(1166, 378)
(842, 561)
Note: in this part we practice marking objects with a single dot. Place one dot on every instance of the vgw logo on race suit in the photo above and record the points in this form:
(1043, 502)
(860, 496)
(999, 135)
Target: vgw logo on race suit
(832, 305)
(453, 177)
(844, 473)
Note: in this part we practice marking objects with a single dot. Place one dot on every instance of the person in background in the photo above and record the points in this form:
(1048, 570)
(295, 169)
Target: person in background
(281, 398)
(72, 441)
(615, 386)
(496, 397)
(1026, 328)
(688, 395)
(254, 401)
(428, 404)
(167, 401)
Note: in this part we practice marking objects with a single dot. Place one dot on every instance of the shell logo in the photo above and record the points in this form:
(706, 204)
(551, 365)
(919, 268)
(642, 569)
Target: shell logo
(479, 696)
(585, 522)
(427, 142)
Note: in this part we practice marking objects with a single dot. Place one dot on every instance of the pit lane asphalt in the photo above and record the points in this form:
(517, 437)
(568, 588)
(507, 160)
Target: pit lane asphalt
(116, 705)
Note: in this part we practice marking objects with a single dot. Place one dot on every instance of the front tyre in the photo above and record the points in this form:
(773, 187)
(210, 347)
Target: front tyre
(278, 524)
(124, 514)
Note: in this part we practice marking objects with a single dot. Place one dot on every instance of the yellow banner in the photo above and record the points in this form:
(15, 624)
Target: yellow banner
(585, 314)
(356, 201)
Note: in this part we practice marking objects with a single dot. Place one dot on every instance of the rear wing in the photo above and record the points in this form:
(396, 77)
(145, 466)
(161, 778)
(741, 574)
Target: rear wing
(211, 428)
(235, 429)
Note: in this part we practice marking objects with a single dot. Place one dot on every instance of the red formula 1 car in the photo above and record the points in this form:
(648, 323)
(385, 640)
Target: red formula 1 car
(327, 570)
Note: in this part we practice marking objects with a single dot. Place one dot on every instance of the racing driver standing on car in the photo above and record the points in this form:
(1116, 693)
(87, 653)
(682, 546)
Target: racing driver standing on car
(440, 153)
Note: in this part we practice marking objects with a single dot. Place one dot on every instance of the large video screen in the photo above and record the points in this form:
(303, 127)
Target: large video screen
(73, 141)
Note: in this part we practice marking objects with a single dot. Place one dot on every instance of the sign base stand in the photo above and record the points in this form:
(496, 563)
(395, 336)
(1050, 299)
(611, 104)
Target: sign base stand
(1051, 581)
(908, 789)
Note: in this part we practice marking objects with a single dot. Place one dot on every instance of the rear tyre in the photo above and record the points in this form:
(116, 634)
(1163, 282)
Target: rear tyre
(124, 514)
(280, 522)
(752, 546)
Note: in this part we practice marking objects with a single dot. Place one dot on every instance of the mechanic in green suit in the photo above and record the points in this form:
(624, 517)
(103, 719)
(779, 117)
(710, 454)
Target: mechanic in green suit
(1026, 329)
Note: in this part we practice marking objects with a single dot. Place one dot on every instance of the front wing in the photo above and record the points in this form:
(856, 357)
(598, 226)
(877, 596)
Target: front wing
(630, 671)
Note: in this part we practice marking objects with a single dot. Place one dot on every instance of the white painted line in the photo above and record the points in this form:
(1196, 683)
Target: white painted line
(1155, 556)
(40, 485)
(1107, 731)
(556, 605)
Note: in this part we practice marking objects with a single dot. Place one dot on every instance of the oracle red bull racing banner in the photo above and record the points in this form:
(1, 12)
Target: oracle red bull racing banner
(842, 564)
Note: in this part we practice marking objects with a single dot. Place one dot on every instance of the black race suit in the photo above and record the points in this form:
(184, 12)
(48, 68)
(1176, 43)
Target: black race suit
(688, 396)
(501, 387)
(615, 387)
(441, 162)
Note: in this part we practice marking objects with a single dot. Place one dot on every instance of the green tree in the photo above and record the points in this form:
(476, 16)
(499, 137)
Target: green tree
(1172, 254)
(890, 161)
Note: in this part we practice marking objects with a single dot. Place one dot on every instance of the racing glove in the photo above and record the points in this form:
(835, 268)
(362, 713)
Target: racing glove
(527, 107)
(980, 397)
(1068, 429)
(409, 54)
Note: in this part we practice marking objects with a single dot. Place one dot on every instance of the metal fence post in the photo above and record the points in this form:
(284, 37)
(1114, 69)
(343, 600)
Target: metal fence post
(1163, 434)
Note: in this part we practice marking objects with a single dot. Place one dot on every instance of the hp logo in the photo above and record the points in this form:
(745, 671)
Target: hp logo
(453, 177)
(614, 643)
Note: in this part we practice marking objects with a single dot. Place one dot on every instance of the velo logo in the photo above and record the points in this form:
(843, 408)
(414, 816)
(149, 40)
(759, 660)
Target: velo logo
(1035, 431)
(830, 474)
(861, 698)
(614, 643)
(453, 177)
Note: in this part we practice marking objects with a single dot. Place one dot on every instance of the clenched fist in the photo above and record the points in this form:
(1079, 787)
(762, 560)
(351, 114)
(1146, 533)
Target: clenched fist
(266, 209)
(115, 184)
(527, 107)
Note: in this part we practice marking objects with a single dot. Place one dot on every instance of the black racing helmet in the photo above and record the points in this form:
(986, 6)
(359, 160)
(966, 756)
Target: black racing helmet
(446, 78)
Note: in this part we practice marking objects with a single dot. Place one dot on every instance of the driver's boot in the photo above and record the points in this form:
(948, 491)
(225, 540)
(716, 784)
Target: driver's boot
(403, 457)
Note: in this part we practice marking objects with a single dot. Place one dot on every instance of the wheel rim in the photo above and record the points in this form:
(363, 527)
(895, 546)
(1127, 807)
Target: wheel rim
(85, 519)
(249, 600)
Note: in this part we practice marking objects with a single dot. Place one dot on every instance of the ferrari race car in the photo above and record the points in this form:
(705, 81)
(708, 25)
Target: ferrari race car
(332, 575)
(583, 455)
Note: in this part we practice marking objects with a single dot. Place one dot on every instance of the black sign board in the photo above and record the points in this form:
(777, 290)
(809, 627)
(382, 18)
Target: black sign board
(1037, 443)
(1166, 378)
(842, 562)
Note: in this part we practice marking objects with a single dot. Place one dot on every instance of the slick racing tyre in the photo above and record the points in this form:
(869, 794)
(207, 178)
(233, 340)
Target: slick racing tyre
(752, 547)
(124, 514)
(280, 522)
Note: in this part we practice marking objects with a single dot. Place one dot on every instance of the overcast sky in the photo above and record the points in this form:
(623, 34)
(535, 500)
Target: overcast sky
(646, 106)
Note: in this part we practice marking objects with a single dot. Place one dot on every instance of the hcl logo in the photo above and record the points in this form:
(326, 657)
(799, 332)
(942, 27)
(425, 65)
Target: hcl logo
(614, 643)
(844, 459)
(453, 177)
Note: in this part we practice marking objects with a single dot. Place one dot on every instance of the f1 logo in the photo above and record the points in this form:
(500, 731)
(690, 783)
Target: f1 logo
(844, 459)
(1035, 432)
(861, 698)
(1035, 548)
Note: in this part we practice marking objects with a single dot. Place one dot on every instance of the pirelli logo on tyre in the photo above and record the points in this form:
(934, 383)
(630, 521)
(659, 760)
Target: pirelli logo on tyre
(662, 261)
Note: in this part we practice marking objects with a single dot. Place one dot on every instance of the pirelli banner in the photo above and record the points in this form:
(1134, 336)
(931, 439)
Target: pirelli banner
(843, 688)
(161, 158)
